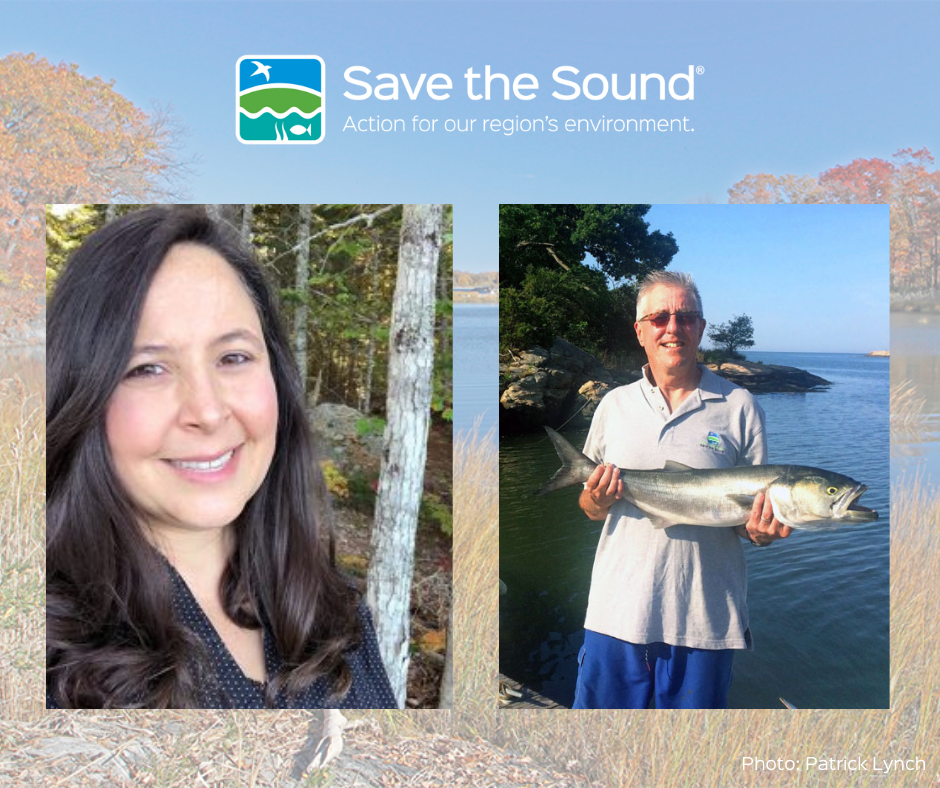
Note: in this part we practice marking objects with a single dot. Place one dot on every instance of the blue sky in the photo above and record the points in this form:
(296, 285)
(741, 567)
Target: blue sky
(785, 88)
(812, 277)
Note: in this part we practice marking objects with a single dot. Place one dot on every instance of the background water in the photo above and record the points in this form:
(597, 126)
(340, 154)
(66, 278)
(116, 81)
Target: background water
(819, 604)
(476, 366)
(915, 351)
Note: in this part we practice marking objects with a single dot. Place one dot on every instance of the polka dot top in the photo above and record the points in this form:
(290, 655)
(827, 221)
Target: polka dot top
(232, 689)
(370, 688)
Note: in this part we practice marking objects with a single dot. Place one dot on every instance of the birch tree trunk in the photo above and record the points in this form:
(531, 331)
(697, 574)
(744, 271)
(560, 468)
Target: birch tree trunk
(401, 480)
(300, 283)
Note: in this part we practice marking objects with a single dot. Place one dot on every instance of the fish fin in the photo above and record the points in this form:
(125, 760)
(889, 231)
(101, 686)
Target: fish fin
(659, 522)
(672, 465)
(569, 474)
(747, 501)
(778, 509)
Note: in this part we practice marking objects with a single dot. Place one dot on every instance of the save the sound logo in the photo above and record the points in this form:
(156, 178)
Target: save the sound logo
(280, 99)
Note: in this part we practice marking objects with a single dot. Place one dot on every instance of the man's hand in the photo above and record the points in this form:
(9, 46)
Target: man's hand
(602, 489)
(762, 527)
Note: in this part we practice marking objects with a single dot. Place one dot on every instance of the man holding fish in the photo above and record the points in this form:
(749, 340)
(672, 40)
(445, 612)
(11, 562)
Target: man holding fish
(668, 606)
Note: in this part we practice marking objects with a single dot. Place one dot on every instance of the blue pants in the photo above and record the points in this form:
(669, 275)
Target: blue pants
(615, 674)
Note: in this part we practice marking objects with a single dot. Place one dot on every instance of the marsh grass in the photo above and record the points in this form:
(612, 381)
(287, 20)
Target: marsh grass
(476, 576)
(22, 539)
(907, 407)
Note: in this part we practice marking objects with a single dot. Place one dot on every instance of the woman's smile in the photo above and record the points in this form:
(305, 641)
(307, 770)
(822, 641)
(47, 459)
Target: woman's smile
(217, 468)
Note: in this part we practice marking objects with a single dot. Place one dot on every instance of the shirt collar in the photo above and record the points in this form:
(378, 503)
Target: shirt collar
(709, 385)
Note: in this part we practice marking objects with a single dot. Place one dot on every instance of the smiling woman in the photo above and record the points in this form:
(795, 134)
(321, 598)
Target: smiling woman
(185, 567)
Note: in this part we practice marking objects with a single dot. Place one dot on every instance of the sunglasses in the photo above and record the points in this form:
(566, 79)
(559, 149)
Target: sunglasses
(661, 319)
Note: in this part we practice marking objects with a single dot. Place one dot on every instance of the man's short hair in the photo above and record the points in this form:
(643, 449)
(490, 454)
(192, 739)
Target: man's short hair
(669, 279)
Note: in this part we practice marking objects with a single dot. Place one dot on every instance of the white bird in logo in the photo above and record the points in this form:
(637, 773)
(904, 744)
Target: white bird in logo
(262, 69)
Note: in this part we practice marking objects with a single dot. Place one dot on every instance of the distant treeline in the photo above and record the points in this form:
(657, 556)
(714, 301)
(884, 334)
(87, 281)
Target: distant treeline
(487, 279)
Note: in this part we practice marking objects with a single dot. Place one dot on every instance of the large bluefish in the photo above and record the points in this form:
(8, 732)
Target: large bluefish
(808, 498)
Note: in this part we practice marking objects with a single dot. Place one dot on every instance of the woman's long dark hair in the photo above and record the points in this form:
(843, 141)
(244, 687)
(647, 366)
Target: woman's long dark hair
(112, 640)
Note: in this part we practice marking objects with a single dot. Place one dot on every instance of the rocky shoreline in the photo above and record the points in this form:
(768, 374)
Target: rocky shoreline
(769, 378)
(564, 385)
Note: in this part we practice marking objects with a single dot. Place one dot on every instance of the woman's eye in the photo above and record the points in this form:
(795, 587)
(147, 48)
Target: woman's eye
(145, 371)
(235, 359)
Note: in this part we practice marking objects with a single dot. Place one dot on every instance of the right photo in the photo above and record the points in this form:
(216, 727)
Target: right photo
(694, 456)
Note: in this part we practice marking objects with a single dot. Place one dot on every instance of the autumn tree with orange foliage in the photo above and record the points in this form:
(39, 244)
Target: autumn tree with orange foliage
(907, 184)
(67, 138)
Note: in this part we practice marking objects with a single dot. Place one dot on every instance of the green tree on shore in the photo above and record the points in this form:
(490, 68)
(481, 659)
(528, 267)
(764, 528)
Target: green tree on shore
(549, 287)
(736, 333)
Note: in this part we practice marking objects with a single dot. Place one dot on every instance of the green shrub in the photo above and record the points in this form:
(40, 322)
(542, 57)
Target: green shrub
(437, 514)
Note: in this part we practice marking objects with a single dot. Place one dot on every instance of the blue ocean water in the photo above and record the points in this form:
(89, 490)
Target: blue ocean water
(476, 366)
(819, 603)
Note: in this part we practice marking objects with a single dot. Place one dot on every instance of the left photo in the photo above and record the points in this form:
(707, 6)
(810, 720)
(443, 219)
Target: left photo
(250, 468)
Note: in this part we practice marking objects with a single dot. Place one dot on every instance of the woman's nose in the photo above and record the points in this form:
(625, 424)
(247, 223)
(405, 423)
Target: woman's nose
(202, 402)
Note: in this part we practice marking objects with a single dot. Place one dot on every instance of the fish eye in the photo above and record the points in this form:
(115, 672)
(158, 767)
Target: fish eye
(832, 490)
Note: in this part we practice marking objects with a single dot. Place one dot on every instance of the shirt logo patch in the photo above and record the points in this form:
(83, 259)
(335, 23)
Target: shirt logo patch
(713, 441)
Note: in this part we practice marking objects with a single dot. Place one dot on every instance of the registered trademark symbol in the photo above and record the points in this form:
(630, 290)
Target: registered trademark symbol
(700, 69)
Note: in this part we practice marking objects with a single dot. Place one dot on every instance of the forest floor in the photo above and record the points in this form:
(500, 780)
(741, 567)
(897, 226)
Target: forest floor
(431, 589)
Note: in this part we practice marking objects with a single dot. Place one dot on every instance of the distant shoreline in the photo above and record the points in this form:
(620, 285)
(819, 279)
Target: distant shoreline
(476, 288)
(474, 298)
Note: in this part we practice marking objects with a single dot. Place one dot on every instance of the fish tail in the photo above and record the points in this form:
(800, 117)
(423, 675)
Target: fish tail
(569, 474)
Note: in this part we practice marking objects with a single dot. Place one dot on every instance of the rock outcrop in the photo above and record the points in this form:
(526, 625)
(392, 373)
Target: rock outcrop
(352, 441)
(550, 386)
(769, 378)
(564, 385)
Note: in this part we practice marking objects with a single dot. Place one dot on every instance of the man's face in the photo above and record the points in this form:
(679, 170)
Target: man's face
(670, 348)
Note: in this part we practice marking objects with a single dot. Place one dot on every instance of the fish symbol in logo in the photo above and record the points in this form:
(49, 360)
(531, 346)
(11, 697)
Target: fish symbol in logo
(279, 99)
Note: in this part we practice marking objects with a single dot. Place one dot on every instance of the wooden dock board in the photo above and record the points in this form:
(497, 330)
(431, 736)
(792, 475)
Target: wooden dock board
(530, 698)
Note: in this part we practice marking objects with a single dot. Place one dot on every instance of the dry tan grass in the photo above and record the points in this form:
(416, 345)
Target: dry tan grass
(907, 407)
(476, 575)
(22, 540)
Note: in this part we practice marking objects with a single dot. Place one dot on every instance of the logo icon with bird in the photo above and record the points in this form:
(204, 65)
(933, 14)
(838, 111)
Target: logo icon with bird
(279, 99)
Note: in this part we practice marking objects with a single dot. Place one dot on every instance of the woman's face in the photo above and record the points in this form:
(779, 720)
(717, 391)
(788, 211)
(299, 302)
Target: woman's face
(192, 425)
